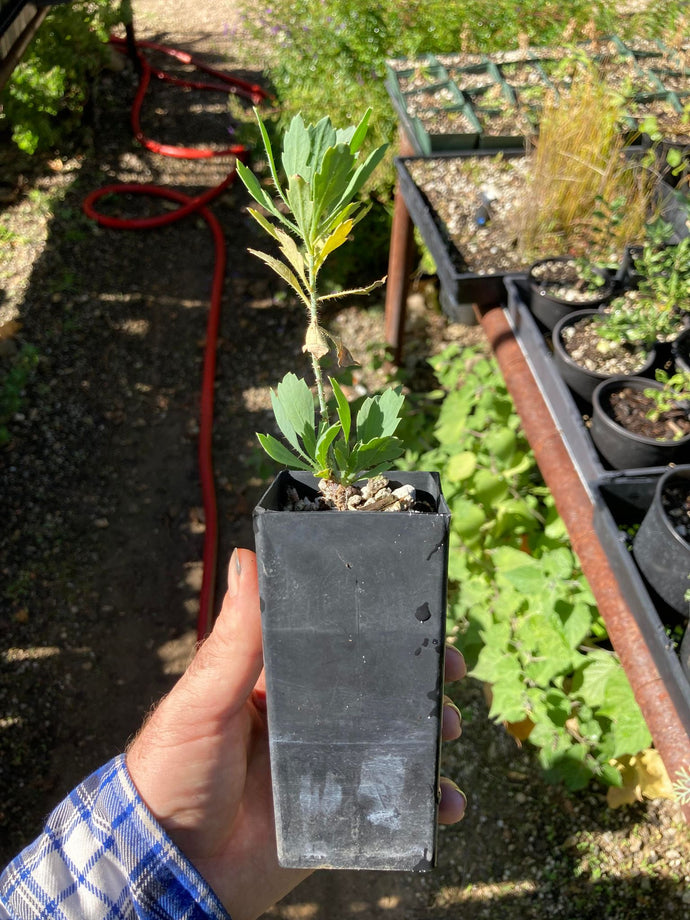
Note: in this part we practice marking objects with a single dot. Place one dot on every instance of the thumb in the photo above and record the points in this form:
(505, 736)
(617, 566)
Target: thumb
(227, 666)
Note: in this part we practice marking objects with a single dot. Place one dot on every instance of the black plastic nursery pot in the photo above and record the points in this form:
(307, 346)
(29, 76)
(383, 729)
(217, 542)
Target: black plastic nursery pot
(550, 308)
(581, 380)
(624, 449)
(661, 553)
(353, 613)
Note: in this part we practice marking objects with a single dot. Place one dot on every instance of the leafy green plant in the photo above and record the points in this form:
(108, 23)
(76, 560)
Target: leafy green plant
(313, 215)
(657, 308)
(675, 394)
(665, 269)
(522, 610)
(43, 100)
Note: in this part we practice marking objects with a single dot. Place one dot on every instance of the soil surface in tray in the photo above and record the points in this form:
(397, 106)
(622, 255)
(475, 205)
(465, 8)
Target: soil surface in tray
(630, 409)
(454, 188)
(101, 525)
(586, 347)
(561, 279)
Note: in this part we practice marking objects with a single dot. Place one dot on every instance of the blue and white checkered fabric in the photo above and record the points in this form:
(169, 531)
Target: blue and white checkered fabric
(103, 856)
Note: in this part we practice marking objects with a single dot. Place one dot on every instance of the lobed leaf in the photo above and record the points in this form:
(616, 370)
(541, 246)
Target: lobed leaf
(379, 416)
(353, 291)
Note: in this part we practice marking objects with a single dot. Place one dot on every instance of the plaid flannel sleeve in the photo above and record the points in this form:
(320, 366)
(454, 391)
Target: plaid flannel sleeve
(103, 856)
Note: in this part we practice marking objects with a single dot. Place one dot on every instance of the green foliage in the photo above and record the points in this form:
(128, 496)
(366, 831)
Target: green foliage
(657, 308)
(13, 385)
(45, 96)
(330, 54)
(326, 451)
(675, 394)
(665, 269)
(318, 207)
(525, 617)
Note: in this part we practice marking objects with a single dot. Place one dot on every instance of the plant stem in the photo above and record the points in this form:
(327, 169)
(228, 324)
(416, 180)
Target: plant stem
(314, 316)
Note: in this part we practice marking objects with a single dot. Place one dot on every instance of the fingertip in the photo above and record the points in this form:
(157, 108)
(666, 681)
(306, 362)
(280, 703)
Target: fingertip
(453, 802)
(451, 724)
(456, 668)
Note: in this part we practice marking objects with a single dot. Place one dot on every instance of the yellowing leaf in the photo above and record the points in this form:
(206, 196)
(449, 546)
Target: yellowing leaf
(283, 271)
(644, 776)
(353, 291)
(336, 239)
(291, 252)
(315, 341)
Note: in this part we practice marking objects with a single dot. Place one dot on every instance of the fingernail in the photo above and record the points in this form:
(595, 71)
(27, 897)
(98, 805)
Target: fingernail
(453, 802)
(452, 720)
(234, 570)
(451, 705)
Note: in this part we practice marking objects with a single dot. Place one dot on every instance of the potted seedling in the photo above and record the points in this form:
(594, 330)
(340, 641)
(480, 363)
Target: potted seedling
(561, 285)
(634, 332)
(638, 422)
(352, 562)
(590, 346)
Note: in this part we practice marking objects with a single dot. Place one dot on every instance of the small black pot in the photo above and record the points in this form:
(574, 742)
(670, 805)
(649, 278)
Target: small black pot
(623, 449)
(681, 351)
(353, 615)
(661, 554)
(549, 309)
(581, 380)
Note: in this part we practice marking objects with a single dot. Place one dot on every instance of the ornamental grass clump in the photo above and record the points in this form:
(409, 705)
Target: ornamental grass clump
(585, 196)
(314, 213)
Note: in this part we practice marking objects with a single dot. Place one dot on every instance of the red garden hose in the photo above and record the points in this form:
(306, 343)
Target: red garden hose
(187, 205)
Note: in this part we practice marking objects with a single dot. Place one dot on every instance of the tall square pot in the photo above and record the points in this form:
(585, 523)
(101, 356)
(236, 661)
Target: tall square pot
(353, 613)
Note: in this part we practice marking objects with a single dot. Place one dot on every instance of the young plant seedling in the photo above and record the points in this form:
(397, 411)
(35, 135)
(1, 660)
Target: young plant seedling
(673, 398)
(315, 212)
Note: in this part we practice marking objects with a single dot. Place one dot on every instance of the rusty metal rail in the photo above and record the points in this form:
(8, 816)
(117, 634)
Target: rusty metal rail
(575, 507)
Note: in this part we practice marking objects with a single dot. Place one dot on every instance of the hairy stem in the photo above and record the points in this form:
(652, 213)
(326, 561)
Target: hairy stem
(314, 315)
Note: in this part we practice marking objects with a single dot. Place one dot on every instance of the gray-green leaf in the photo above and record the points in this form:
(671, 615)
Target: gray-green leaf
(293, 406)
(280, 453)
(379, 416)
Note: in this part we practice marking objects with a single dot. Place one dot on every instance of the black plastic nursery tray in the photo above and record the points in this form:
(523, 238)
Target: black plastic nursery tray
(619, 498)
(475, 89)
(461, 286)
(620, 502)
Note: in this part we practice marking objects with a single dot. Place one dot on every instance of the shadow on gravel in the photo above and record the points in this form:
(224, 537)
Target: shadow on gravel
(102, 524)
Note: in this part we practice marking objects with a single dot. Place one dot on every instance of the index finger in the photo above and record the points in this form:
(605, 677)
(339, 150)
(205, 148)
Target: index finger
(455, 664)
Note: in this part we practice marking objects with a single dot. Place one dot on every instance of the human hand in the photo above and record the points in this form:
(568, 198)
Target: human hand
(201, 762)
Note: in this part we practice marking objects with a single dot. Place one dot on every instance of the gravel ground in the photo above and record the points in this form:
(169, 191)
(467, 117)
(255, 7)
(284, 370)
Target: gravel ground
(102, 525)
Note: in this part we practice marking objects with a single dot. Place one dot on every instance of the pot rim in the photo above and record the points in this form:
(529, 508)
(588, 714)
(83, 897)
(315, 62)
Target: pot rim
(563, 354)
(621, 380)
(606, 289)
(681, 472)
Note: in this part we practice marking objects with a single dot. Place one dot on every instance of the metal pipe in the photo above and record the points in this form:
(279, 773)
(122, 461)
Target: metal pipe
(399, 267)
(575, 507)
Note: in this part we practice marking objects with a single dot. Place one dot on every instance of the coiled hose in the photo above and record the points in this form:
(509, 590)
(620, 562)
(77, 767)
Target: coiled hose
(187, 205)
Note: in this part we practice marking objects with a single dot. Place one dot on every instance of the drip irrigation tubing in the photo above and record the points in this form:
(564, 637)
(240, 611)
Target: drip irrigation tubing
(187, 205)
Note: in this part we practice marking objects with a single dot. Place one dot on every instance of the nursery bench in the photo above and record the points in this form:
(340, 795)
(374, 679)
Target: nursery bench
(19, 22)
